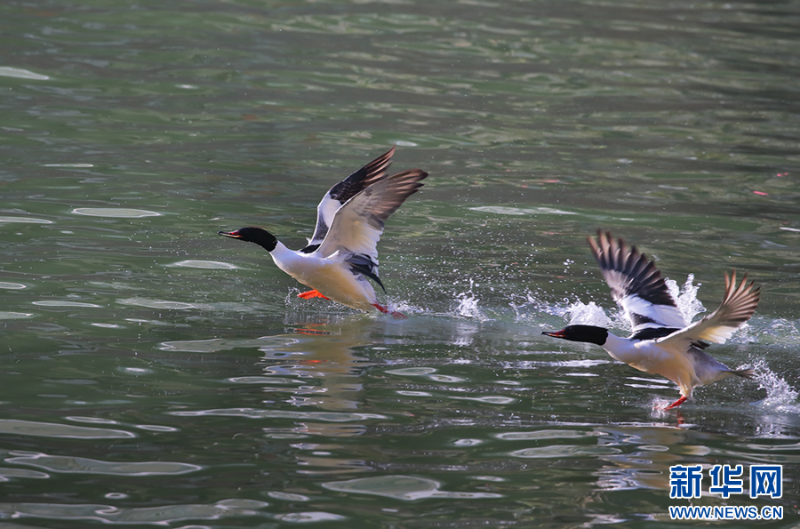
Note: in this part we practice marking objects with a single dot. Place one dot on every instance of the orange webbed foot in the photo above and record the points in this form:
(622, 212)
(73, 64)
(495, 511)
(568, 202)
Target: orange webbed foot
(312, 294)
(395, 315)
(675, 404)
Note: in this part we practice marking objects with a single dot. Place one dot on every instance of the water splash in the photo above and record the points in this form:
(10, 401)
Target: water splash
(530, 302)
(686, 297)
(405, 307)
(576, 312)
(591, 314)
(781, 396)
(468, 304)
(583, 314)
(620, 320)
(771, 331)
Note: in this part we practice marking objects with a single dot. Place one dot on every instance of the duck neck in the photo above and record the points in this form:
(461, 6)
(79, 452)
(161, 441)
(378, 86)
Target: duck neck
(280, 252)
(286, 259)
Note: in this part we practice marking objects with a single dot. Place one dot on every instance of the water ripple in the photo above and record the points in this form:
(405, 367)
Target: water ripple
(120, 213)
(252, 413)
(15, 315)
(503, 210)
(216, 345)
(7, 474)
(262, 380)
(559, 451)
(19, 73)
(543, 434)
(306, 517)
(160, 515)
(60, 303)
(80, 465)
(206, 265)
(492, 399)
(161, 304)
(287, 496)
(425, 372)
(44, 429)
(24, 220)
(406, 488)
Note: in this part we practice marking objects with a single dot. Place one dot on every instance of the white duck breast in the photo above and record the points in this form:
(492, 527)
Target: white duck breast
(328, 276)
(661, 342)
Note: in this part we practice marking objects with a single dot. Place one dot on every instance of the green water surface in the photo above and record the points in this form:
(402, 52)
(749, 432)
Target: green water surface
(157, 375)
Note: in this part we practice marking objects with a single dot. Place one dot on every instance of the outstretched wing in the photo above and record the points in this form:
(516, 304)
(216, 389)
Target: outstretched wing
(358, 224)
(636, 285)
(738, 305)
(344, 191)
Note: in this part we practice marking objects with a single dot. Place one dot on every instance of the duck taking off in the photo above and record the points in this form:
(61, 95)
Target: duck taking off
(662, 343)
(342, 254)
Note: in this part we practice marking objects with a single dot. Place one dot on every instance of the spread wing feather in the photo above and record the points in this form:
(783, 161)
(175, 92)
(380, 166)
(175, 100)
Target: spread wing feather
(358, 224)
(636, 284)
(738, 305)
(339, 194)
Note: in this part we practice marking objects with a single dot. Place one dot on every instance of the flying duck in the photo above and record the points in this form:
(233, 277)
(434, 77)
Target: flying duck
(342, 254)
(662, 343)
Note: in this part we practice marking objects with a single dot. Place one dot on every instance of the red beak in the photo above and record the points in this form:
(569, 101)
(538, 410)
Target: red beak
(556, 334)
(231, 234)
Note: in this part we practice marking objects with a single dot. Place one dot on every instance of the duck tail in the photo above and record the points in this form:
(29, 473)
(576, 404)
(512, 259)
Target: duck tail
(744, 373)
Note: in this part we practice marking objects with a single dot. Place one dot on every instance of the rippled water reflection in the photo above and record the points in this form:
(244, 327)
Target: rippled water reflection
(155, 376)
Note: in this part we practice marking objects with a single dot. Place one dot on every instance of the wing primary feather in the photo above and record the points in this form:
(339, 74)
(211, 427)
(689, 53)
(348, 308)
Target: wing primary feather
(738, 305)
(362, 179)
(636, 284)
(343, 191)
(397, 189)
(358, 224)
(628, 272)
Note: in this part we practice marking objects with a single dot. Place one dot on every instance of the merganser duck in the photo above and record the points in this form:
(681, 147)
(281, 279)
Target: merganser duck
(662, 343)
(342, 253)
